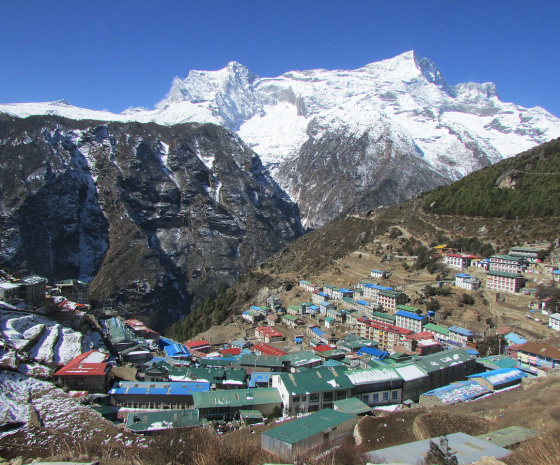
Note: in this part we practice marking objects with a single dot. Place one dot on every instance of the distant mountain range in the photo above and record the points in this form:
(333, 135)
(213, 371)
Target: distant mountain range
(373, 136)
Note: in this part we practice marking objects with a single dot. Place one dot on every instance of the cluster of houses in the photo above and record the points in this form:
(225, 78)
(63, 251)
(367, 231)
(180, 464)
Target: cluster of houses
(29, 291)
(504, 273)
(394, 355)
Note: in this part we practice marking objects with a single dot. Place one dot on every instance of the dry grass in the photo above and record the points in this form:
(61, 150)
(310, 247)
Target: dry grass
(544, 450)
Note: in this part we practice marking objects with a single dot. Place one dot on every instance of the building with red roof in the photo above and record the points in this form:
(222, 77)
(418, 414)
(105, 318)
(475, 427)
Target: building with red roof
(268, 334)
(385, 334)
(140, 329)
(199, 345)
(265, 349)
(230, 351)
(87, 372)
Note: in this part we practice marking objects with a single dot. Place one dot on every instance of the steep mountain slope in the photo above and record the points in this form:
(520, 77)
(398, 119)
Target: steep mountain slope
(157, 216)
(331, 137)
(315, 253)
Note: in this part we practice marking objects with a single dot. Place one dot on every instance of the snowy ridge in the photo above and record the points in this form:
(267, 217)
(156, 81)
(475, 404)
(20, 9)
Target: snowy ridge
(401, 105)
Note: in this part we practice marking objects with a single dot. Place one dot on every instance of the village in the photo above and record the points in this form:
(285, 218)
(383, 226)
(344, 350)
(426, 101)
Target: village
(312, 362)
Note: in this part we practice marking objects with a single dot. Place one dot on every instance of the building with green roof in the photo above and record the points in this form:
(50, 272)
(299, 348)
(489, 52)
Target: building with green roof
(446, 367)
(321, 429)
(312, 390)
(225, 405)
(353, 405)
(440, 333)
(150, 422)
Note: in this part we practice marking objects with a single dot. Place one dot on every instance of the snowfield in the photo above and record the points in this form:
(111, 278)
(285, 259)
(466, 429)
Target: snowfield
(44, 340)
(51, 419)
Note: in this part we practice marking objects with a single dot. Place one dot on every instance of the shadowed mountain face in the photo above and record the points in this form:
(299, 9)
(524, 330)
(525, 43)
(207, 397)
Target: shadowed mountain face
(159, 217)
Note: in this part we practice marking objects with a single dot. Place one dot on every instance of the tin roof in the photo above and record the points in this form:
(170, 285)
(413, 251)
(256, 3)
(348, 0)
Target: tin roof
(90, 363)
(236, 398)
(313, 424)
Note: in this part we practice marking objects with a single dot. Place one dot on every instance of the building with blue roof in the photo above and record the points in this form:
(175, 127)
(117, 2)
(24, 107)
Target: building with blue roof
(461, 391)
(461, 336)
(260, 379)
(372, 290)
(373, 352)
(499, 379)
(410, 320)
(513, 338)
(168, 394)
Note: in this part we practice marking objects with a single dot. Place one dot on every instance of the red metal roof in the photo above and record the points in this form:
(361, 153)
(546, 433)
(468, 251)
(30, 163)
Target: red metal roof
(268, 331)
(386, 327)
(90, 363)
(198, 343)
(265, 349)
(231, 351)
(323, 348)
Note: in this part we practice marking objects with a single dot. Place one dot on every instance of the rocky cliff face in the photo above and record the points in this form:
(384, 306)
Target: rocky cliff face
(159, 217)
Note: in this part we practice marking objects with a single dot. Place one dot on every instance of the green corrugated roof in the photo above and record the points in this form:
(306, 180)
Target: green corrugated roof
(407, 308)
(384, 316)
(236, 398)
(505, 275)
(389, 293)
(439, 360)
(290, 317)
(353, 405)
(508, 257)
(310, 425)
(315, 381)
(143, 421)
(251, 414)
(301, 357)
(436, 328)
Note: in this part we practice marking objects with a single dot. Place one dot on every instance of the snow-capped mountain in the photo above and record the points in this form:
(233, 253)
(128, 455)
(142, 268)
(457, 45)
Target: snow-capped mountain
(375, 135)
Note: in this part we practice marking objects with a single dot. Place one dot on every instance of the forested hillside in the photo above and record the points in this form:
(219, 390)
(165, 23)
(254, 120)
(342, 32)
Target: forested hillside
(527, 185)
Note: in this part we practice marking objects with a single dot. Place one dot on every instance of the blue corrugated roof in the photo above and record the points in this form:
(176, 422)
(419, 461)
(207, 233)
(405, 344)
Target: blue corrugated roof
(380, 354)
(463, 275)
(458, 392)
(156, 391)
(381, 288)
(459, 330)
(174, 349)
(362, 302)
(406, 314)
(259, 377)
(500, 376)
(513, 338)
(317, 331)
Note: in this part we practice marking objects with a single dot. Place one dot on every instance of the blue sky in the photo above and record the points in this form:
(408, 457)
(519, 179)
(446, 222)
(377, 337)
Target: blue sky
(123, 53)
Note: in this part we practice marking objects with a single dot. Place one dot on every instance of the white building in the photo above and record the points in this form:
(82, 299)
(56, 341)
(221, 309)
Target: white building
(466, 281)
(554, 321)
(9, 292)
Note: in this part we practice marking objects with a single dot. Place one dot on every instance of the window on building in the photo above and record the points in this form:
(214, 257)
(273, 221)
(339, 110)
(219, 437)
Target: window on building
(395, 395)
(375, 398)
(79, 381)
(385, 395)
(327, 396)
(295, 399)
(365, 398)
(314, 397)
(340, 395)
